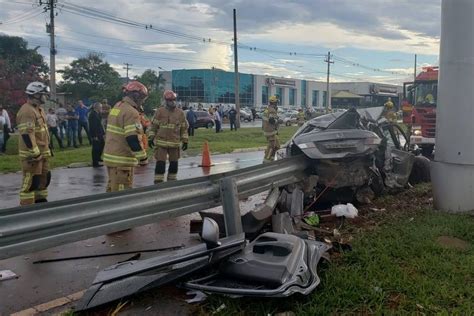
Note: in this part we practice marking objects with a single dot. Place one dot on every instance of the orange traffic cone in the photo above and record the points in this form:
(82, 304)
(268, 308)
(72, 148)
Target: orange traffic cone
(206, 156)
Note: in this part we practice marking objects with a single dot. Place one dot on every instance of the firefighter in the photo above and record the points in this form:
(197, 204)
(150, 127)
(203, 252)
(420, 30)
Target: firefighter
(123, 141)
(270, 129)
(300, 117)
(33, 145)
(389, 110)
(168, 131)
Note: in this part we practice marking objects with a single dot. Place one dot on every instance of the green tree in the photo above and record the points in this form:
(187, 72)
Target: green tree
(91, 77)
(154, 83)
(19, 66)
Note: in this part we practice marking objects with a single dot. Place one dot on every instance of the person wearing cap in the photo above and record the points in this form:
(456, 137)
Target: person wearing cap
(33, 145)
(123, 149)
(168, 132)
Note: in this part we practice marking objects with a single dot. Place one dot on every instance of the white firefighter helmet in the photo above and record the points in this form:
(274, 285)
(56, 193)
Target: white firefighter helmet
(37, 88)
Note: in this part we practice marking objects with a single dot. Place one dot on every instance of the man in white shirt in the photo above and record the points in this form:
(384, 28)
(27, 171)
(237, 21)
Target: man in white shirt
(5, 128)
(53, 121)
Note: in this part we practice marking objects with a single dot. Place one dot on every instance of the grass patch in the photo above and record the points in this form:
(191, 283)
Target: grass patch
(395, 268)
(225, 142)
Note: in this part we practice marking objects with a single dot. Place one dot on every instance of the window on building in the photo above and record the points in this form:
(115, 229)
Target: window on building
(315, 98)
(292, 95)
(264, 95)
(211, 86)
(303, 93)
(279, 94)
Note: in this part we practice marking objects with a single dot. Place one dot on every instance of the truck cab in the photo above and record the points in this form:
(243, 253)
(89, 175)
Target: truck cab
(419, 109)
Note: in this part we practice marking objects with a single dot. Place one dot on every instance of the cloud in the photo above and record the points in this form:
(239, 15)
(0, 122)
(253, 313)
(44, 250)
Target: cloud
(168, 48)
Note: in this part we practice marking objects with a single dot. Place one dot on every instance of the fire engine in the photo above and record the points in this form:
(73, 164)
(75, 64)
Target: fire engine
(419, 109)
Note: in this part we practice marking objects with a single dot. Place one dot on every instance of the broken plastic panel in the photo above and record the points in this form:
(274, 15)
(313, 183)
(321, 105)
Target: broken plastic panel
(273, 265)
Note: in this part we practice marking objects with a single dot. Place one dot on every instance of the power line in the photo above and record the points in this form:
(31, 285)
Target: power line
(23, 17)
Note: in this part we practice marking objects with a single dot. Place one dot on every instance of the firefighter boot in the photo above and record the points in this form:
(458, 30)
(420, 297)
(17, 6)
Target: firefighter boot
(160, 171)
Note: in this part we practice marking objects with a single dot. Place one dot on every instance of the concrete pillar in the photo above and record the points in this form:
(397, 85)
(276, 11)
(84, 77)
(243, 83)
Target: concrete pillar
(453, 168)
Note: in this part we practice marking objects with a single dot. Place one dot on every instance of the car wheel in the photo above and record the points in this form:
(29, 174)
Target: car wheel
(420, 171)
(288, 123)
(210, 125)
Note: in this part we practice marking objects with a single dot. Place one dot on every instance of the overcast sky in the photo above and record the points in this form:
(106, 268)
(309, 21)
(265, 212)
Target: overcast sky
(371, 39)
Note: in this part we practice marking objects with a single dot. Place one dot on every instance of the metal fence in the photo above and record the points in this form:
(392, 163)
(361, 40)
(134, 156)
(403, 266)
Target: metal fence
(37, 227)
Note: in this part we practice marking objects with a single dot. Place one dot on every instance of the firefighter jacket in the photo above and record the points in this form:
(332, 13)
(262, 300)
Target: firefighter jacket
(300, 117)
(169, 128)
(270, 129)
(31, 120)
(123, 121)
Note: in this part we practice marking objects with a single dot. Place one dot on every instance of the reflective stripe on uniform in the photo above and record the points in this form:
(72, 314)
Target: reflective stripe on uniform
(30, 153)
(41, 193)
(172, 176)
(26, 182)
(115, 129)
(140, 154)
(169, 126)
(121, 187)
(270, 133)
(27, 195)
(159, 142)
(120, 159)
(159, 178)
(114, 112)
(130, 128)
(46, 153)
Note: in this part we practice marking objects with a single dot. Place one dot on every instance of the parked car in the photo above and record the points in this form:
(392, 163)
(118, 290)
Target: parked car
(245, 116)
(290, 119)
(358, 154)
(204, 119)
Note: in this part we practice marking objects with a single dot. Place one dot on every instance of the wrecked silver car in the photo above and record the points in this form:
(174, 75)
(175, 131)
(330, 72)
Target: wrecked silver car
(358, 154)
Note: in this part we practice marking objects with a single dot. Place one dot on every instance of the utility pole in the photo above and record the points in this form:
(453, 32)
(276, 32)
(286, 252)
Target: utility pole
(127, 67)
(236, 69)
(328, 92)
(50, 5)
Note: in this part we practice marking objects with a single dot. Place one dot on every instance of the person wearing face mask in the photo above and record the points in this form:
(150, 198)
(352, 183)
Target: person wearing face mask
(123, 149)
(168, 132)
(34, 147)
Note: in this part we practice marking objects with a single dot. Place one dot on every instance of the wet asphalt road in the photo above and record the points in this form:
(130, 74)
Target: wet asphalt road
(40, 283)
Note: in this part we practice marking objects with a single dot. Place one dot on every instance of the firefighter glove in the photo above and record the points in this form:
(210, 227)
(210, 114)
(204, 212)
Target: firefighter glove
(184, 146)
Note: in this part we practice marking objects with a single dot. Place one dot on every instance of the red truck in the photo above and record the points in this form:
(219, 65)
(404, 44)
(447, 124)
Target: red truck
(419, 109)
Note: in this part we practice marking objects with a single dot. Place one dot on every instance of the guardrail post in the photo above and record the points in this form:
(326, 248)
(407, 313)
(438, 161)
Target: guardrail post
(230, 204)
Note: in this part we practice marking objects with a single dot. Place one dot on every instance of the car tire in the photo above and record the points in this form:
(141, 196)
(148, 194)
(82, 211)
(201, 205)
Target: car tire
(288, 123)
(420, 171)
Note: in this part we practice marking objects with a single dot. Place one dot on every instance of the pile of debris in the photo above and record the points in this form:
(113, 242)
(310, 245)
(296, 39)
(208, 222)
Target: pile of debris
(276, 255)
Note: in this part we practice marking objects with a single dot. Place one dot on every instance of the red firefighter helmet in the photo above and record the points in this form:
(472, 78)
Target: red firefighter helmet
(169, 95)
(136, 86)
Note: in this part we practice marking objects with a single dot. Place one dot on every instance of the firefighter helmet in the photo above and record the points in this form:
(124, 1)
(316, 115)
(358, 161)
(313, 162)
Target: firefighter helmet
(136, 86)
(37, 88)
(169, 95)
(273, 99)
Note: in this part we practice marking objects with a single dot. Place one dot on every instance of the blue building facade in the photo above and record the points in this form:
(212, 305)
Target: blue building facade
(212, 86)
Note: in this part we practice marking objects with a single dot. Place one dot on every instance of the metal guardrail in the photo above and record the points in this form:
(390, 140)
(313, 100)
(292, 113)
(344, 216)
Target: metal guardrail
(37, 227)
